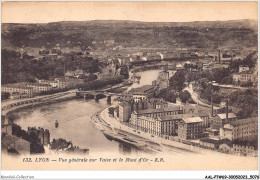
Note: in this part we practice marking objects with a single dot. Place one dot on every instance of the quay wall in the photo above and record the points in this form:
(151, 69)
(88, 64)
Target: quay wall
(36, 104)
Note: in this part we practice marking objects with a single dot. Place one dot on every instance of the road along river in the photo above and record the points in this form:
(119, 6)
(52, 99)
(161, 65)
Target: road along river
(74, 119)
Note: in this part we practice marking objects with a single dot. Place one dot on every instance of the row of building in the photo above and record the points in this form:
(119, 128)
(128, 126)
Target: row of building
(159, 119)
(156, 117)
(29, 90)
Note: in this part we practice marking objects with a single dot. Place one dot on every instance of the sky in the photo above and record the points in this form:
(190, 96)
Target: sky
(44, 12)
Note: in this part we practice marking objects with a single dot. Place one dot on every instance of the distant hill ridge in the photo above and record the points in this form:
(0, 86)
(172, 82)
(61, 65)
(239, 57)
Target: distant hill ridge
(237, 23)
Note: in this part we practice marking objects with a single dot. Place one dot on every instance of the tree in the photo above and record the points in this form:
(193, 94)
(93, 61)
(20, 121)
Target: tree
(5, 95)
(184, 96)
(227, 80)
(58, 72)
(219, 74)
(246, 101)
(192, 76)
(247, 84)
(91, 77)
(167, 94)
(111, 111)
(177, 81)
(124, 71)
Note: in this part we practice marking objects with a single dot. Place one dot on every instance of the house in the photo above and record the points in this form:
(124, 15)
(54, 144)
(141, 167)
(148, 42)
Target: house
(243, 68)
(221, 119)
(74, 74)
(141, 93)
(61, 83)
(243, 77)
(161, 104)
(206, 66)
(220, 66)
(139, 96)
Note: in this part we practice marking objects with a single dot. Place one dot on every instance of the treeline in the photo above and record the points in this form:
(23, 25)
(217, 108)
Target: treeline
(53, 91)
(246, 101)
(100, 83)
(15, 68)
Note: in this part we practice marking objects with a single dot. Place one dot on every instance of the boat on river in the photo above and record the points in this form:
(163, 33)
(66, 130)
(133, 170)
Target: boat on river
(56, 124)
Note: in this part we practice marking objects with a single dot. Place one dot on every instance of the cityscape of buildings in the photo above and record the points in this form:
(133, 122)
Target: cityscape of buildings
(188, 102)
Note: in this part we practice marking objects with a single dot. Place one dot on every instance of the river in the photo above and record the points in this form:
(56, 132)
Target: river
(75, 122)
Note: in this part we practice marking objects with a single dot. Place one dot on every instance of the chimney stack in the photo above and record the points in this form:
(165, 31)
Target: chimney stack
(227, 111)
(212, 113)
(219, 56)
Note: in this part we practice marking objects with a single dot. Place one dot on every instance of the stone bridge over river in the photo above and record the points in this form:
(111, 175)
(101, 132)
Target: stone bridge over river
(98, 94)
(11, 105)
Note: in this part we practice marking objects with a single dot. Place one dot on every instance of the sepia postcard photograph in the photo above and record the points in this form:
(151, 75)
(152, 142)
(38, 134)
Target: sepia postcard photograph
(128, 85)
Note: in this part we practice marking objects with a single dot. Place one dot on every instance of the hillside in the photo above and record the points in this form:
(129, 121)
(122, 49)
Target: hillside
(208, 34)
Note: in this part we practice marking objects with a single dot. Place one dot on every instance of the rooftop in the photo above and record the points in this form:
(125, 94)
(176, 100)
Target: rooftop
(38, 84)
(244, 72)
(17, 85)
(148, 111)
(215, 140)
(142, 89)
(192, 120)
(173, 117)
(243, 121)
(223, 115)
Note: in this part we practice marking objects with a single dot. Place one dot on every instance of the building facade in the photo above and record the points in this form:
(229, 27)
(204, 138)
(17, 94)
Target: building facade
(242, 128)
(243, 68)
(221, 119)
(37, 87)
(158, 112)
(139, 96)
(190, 128)
(168, 125)
(243, 77)
(21, 90)
(43, 134)
(124, 112)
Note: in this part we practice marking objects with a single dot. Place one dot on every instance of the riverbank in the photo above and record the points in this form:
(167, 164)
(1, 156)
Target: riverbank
(50, 100)
(143, 140)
